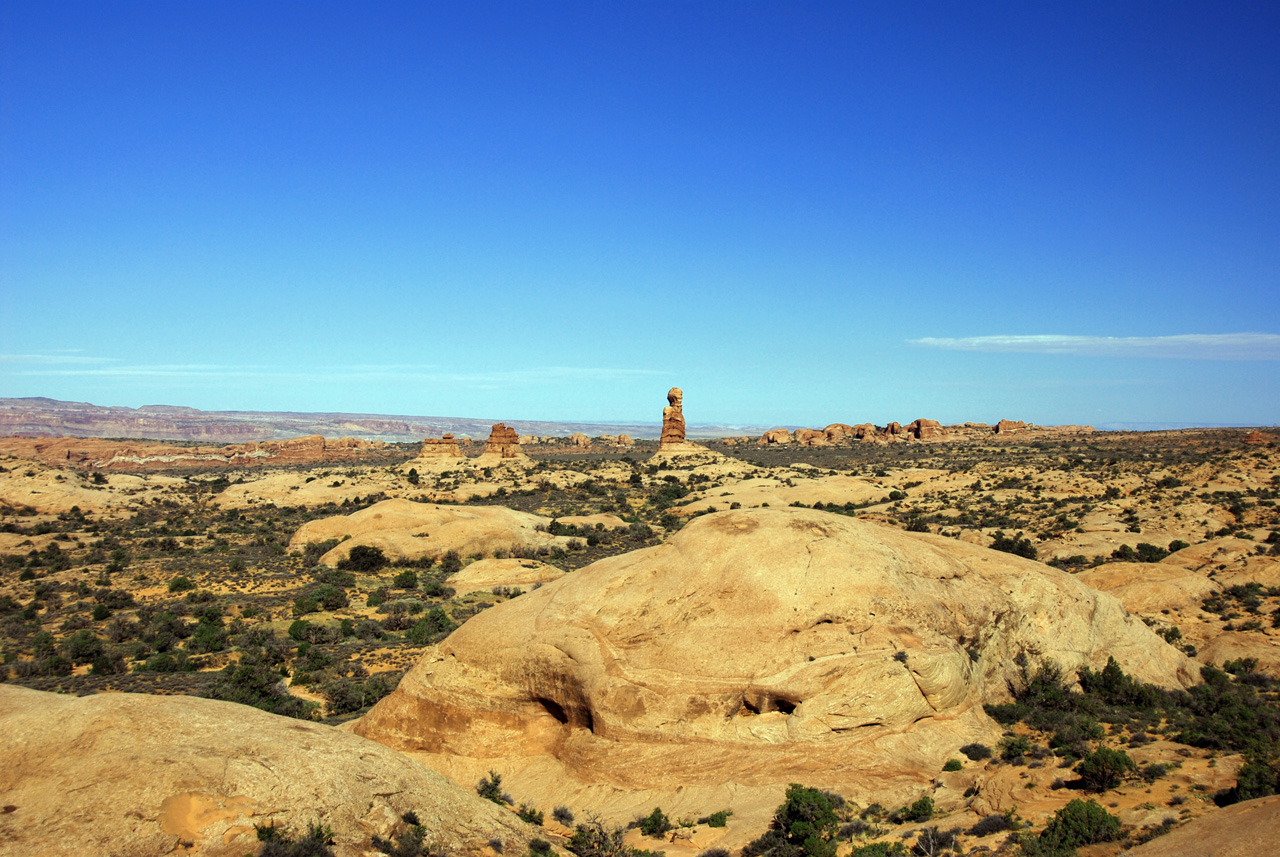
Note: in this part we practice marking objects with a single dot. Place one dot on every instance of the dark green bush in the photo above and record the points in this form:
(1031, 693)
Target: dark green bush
(490, 788)
(181, 583)
(1104, 768)
(805, 825)
(655, 823)
(431, 627)
(1079, 823)
(1017, 545)
(364, 558)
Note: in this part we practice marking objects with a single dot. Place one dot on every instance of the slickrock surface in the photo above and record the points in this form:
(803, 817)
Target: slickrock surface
(404, 529)
(1247, 829)
(488, 573)
(755, 648)
(434, 448)
(131, 774)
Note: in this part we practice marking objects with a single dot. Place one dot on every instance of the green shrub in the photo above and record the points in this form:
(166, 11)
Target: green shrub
(531, 815)
(976, 752)
(364, 558)
(1079, 823)
(407, 579)
(431, 627)
(719, 819)
(952, 765)
(181, 583)
(805, 825)
(921, 810)
(490, 788)
(82, 647)
(1104, 768)
(1017, 545)
(655, 823)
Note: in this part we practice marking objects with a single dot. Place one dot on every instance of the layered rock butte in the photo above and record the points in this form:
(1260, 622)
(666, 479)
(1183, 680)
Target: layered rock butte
(753, 649)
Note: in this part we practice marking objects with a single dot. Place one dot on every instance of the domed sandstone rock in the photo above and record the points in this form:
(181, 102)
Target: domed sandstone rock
(753, 649)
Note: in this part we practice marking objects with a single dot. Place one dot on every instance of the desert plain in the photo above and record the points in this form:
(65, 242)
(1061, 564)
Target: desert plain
(950, 635)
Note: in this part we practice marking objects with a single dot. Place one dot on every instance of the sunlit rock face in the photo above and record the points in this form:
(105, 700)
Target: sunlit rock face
(755, 647)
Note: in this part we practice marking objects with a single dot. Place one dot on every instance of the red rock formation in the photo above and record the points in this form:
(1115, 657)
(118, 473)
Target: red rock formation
(865, 431)
(837, 432)
(1010, 426)
(673, 419)
(440, 447)
(579, 440)
(810, 437)
(625, 440)
(503, 442)
(923, 429)
(775, 436)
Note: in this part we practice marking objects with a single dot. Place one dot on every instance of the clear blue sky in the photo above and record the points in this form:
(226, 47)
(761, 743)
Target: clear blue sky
(798, 212)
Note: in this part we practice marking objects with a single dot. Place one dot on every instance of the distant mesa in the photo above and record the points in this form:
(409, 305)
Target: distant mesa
(758, 648)
(100, 454)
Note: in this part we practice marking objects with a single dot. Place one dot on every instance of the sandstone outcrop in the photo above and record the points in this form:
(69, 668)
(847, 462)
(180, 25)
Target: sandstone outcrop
(775, 436)
(1240, 830)
(503, 447)
(753, 649)
(434, 448)
(923, 429)
(404, 529)
(488, 573)
(837, 432)
(135, 775)
(673, 431)
(1012, 426)
(580, 440)
(810, 437)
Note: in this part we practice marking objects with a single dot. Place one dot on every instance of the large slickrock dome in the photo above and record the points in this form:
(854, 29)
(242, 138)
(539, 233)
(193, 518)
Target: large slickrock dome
(753, 649)
(128, 774)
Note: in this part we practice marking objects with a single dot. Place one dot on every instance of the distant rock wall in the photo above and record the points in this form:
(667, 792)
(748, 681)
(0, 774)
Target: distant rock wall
(921, 429)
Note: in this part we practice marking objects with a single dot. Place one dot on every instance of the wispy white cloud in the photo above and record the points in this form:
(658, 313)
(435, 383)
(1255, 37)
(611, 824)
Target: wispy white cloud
(1190, 346)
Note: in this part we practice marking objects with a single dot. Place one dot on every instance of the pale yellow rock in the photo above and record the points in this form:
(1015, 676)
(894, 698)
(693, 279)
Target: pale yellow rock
(404, 529)
(54, 490)
(1247, 829)
(487, 573)
(1144, 587)
(770, 491)
(137, 775)
(755, 648)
